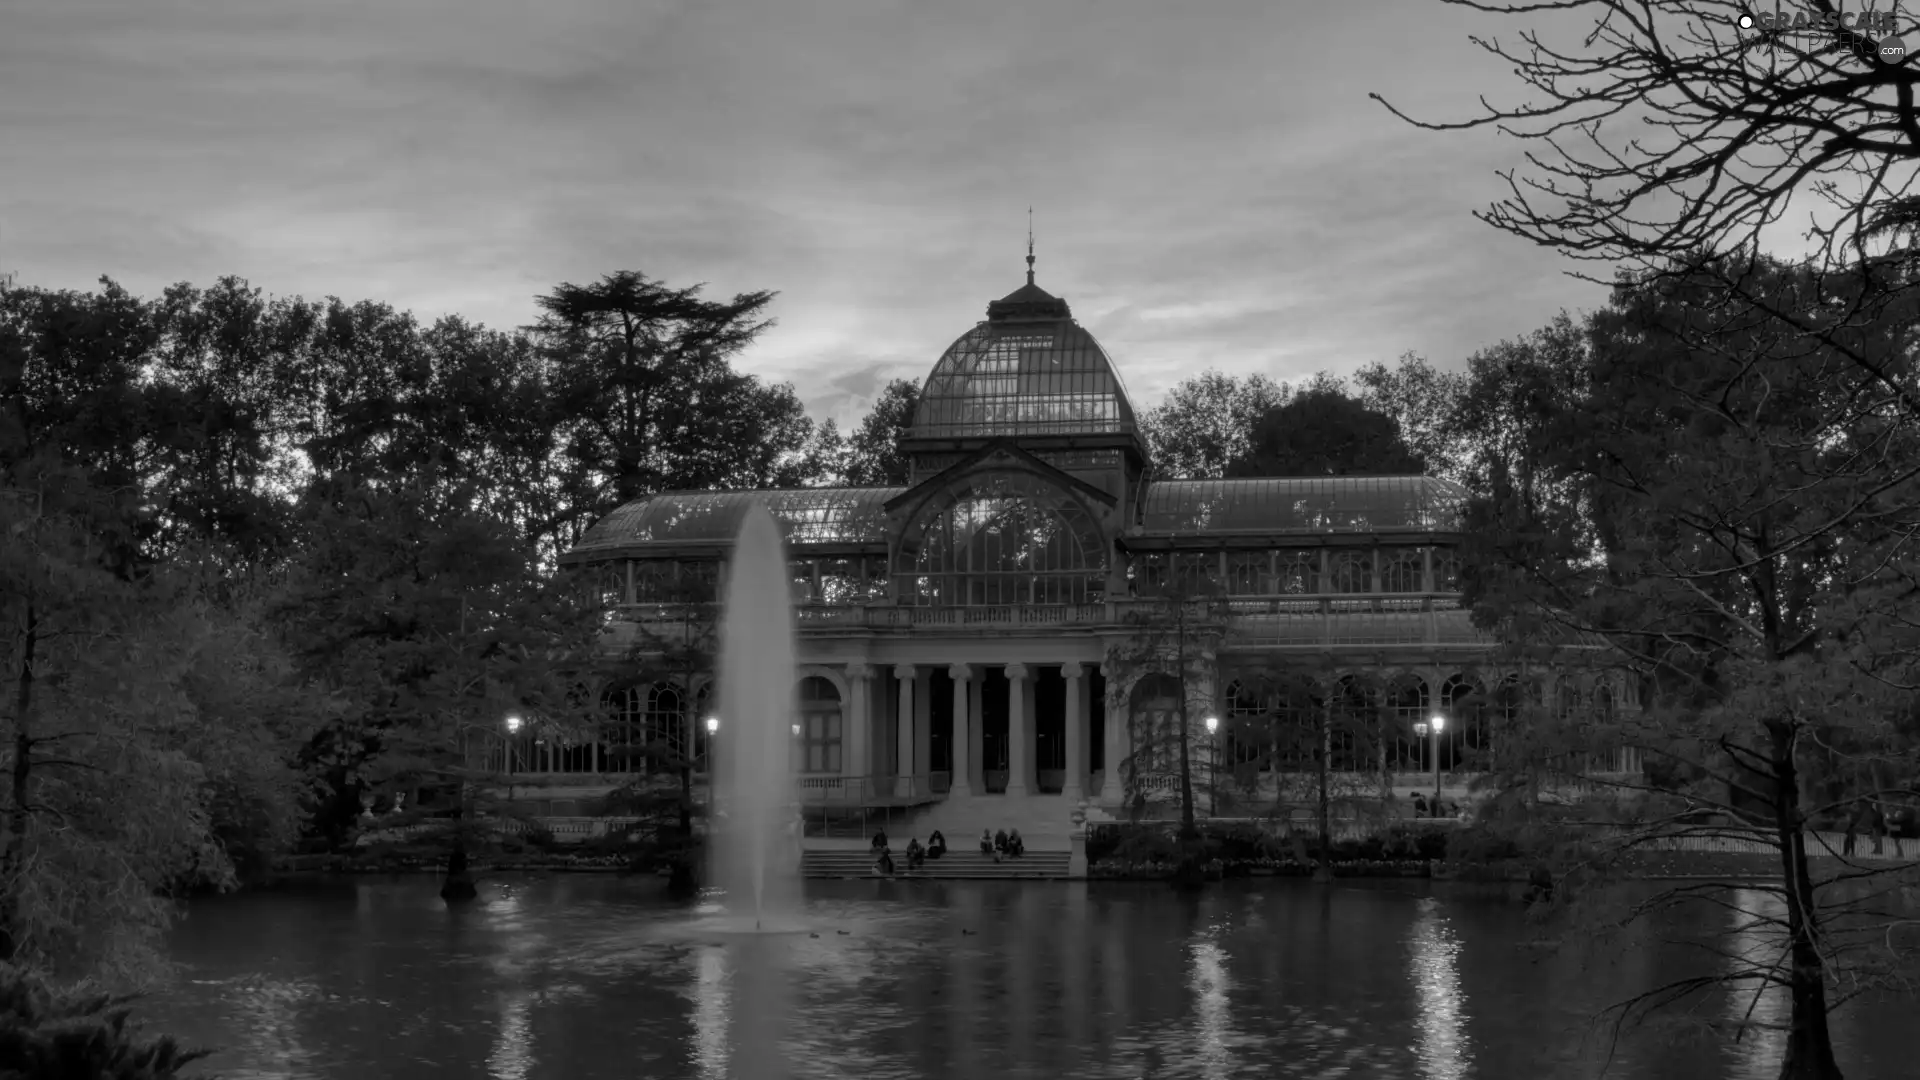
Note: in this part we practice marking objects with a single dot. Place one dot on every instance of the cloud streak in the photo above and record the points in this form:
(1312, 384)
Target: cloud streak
(1212, 186)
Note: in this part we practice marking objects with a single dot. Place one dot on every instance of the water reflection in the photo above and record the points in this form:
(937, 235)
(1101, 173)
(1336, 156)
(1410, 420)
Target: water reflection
(1435, 973)
(922, 985)
(710, 1001)
(512, 1053)
(1210, 985)
(1756, 1011)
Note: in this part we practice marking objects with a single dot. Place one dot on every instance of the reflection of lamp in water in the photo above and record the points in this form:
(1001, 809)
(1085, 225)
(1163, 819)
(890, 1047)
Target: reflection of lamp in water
(1444, 1053)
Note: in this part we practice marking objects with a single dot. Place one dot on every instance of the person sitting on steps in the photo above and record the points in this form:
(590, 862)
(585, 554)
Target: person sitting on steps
(879, 841)
(883, 866)
(915, 854)
(1016, 847)
(936, 845)
(986, 842)
(1000, 841)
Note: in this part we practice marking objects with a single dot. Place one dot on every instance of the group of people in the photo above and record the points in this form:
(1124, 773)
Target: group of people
(1002, 844)
(917, 854)
(999, 845)
(1869, 817)
(1436, 808)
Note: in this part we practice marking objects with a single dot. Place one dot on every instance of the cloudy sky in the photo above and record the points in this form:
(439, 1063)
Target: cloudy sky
(1212, 187)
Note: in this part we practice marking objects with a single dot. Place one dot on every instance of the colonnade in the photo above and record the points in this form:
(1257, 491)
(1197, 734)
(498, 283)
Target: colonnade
(905, 771)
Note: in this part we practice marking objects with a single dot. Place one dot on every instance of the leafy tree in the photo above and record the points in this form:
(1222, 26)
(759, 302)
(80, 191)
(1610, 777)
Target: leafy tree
(1206, 422)
(875, 458)
(1173, 630)
(1422, 402)
(676, 644)
(130, 736)
(425, 622)
(1321, 431)
(647, 399)
(1723, 519)
(55, 1035)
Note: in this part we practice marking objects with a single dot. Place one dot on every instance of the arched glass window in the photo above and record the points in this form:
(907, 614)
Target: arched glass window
(820, 726)
(1355, 728)
(1299, 715)
(1352, 571)
(665, 734)
(1299, 571)
(626, 718)
(1466, 742)
(1407, 697)
(1247, 738)
(1155, 725)
(1403, 570)
(1012, 539)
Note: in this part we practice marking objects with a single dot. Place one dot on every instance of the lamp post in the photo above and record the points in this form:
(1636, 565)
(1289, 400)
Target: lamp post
(1438, 724)
(1213, 766)
(513, 728)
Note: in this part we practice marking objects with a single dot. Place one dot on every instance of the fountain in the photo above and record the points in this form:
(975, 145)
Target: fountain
(755, 852)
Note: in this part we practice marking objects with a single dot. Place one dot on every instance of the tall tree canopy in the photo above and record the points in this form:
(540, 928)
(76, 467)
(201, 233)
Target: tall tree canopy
(1732, 521)
(648, 399)
(1321, 431)
(1205, 422)
(876, 459)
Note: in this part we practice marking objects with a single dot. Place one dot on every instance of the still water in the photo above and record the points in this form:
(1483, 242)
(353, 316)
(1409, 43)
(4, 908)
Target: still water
(589, 976)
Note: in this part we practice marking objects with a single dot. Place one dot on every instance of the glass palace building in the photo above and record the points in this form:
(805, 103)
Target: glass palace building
(959, 637)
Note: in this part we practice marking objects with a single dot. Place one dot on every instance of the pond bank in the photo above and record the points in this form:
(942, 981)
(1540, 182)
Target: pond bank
(1737, 866)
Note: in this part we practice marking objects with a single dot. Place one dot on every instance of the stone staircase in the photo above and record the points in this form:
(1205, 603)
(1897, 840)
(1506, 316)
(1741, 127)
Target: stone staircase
(955, 865)
(1043, 820)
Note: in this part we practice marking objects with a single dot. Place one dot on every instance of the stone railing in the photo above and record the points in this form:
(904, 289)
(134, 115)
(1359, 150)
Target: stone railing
(1276, 621)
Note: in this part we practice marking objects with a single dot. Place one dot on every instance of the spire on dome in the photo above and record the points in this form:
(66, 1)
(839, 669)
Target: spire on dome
(1029, 245)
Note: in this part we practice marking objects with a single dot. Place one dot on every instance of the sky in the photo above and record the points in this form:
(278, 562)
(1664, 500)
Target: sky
(1211, 186)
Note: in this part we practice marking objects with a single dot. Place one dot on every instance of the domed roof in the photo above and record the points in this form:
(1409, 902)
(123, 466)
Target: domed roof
(1029, 369)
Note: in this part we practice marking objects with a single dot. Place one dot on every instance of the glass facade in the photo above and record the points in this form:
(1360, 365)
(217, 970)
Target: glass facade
(1301, 504)
(1010, 539)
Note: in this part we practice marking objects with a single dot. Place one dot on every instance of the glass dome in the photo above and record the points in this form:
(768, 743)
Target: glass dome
(1029, 369)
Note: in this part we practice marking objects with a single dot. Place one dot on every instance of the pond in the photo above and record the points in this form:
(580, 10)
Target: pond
(589, 976)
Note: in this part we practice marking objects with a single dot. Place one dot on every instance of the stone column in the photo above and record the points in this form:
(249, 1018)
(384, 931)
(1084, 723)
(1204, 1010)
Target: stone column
(858, 766)
(1019, 739)
(1076, 732)
(903, 724)
(962, 740)
(1112, 792)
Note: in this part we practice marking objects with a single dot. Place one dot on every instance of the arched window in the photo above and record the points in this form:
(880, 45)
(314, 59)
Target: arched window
(1407, 697)
(1355, 728)
(1010, 539)
(1446, 570)
(665, 735)
(1465, 742)
(624, 730)
(1299, 571)
(1403, 570)
(1155, 725)
(820, 726)
(1299, 717)
(1246, 735)
(1352, 571)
